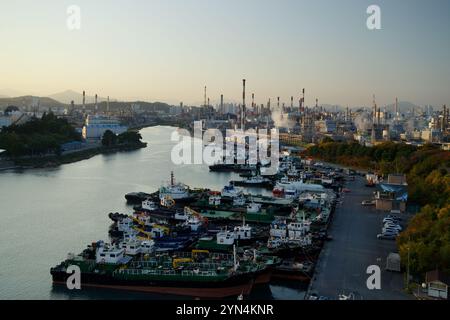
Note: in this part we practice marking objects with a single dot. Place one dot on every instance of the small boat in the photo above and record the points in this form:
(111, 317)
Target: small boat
(137, 197)
(255, 181)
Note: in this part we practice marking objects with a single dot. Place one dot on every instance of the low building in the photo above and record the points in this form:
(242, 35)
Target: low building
(96, 126)
(438, 284)
(393, 195)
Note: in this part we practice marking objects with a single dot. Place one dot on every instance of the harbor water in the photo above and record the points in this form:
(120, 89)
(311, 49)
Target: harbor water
(47, 213)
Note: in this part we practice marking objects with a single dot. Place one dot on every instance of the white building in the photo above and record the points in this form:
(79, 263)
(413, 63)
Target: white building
(96, 126)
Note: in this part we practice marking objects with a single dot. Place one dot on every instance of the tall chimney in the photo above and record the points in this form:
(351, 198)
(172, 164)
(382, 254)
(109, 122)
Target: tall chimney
(278, 103)
(205, 98)
(107, 105)
(396, 107)
(303, 101)
(244, 111)
(84, 100)
(96, 107)
(292, 103)
(221, 104)
(444, 119)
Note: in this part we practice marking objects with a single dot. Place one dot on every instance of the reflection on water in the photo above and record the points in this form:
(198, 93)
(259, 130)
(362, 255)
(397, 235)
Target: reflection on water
(46, 213)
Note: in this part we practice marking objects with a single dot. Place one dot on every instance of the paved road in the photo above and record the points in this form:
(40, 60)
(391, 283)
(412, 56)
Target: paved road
(344, 260)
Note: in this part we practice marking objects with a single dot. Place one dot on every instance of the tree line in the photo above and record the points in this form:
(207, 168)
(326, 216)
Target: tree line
(38, 136)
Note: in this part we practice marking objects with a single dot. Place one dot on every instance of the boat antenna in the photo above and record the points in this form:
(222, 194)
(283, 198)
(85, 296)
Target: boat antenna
(234, 257)
(171, 178)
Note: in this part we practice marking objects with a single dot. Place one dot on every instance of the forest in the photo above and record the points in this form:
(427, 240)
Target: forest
(37, 137)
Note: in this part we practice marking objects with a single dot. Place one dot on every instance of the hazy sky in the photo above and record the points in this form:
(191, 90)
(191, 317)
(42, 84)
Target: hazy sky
(169, 49)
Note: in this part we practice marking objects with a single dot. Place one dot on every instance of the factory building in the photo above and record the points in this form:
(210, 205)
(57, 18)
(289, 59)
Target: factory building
(95, 127)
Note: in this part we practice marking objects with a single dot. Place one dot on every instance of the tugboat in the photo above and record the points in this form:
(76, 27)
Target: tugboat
(179, 192)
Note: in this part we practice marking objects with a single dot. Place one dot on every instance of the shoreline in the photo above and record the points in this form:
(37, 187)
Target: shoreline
(56, 161)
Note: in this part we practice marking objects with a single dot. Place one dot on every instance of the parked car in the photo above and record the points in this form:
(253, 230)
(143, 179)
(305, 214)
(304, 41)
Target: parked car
(390, 230)
(393, 226)
(391, 220)
(367, 203)
(345, 190)
(386, 236)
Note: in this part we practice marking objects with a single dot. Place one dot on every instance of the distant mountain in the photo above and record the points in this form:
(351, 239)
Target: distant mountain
(69, 95)
(28, 101)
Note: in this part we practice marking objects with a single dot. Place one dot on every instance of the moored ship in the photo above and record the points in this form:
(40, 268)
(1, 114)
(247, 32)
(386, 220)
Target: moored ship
(195, 274)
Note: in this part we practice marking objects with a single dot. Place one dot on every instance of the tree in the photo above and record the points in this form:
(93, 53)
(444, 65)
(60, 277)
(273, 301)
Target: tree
(109, 138)
(129, 137)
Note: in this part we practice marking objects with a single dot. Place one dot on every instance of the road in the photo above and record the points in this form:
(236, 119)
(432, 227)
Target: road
(343, 262)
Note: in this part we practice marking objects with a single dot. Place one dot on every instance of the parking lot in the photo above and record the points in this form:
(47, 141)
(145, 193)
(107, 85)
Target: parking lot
(343, 262)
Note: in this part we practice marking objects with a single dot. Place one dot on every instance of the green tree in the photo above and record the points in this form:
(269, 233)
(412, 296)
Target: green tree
(109, 138)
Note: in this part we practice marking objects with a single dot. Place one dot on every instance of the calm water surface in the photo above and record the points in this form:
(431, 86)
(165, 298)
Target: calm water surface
(46, 213)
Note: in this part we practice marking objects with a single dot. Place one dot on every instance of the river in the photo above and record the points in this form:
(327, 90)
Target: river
(46, 213)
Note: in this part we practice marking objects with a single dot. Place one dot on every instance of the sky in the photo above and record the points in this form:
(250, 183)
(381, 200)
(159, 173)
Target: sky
(168, 50)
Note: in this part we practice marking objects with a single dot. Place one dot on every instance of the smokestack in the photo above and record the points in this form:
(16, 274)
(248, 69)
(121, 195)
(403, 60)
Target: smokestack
(444, 119)
(244, 111)
(96, 107)
(253, 101)
(303, 101)
(396, 107)
(221, 104)
(278, 103)
(84, 100)
(107, 105)
(292, 103)
(204, 101)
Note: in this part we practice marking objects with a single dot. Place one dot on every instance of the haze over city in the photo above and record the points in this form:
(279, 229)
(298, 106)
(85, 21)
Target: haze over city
(168, 51)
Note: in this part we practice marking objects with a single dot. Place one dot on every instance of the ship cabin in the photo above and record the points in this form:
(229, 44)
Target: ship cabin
(243, 232)
(290, 193)
(125, 224)
(194, 223)
(231, 191)
(254, 207)
(225, 237)
(110, 255)
(132, 247)
(215, 200)
(297, 230)
(149, 205)
(148, 246)
(278, 229)
(239, 201)
(181, 215)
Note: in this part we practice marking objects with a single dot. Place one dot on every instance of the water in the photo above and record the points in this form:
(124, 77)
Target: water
(46, 213)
